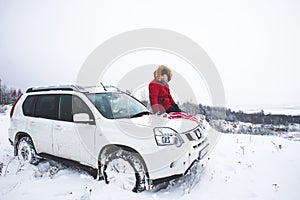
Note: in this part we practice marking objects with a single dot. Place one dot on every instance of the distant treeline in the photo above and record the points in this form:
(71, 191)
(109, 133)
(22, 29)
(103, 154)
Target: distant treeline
(8, 95)
(221, 113)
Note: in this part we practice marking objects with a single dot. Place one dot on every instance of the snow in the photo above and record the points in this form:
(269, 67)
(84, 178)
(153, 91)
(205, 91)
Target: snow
(290, 131)
(240, 167)
(273, 109)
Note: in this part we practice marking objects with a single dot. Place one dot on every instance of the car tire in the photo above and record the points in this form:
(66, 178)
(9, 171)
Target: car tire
(26, 152)
(124, 169)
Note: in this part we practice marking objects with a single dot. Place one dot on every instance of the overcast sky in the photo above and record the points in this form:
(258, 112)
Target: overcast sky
(254, 44)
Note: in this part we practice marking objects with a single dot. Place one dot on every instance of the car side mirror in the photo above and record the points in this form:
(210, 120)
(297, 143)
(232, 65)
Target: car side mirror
(82, 118)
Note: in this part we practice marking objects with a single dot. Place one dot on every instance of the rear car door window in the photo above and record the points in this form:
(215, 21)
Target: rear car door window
(46, 106)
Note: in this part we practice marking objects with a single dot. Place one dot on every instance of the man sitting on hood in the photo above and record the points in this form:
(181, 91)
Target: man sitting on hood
(159, 92)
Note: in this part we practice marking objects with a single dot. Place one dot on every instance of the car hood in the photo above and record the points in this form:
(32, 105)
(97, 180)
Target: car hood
(144, 125)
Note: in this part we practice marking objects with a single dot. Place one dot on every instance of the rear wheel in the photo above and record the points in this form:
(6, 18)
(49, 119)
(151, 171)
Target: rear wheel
(124, 169)
(26, 152)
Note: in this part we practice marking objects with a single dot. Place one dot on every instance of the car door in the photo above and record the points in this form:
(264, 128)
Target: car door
(41, 113)
(71, 140)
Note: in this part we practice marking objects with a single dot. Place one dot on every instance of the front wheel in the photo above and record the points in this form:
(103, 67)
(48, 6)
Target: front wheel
(26, 152)
(124, 169)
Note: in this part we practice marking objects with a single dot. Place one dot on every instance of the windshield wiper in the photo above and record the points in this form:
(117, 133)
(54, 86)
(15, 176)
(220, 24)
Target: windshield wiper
(140, 114)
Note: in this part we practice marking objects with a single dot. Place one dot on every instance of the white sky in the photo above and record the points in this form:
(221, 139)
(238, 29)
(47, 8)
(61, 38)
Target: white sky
(254, 44)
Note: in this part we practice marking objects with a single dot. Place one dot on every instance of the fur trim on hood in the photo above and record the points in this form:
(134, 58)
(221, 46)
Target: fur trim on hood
(157, 73)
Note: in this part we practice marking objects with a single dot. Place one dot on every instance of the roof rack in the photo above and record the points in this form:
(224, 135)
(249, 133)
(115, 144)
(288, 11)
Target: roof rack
(59, 87)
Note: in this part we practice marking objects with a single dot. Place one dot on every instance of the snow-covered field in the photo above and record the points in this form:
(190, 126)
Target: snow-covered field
(239, 167)
(276, 110)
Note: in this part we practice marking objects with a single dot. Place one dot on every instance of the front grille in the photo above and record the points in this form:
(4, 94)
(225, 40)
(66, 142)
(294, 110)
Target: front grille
(195, 134)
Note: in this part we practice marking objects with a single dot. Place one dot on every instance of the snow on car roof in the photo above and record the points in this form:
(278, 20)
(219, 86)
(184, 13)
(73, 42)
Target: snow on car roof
(102, 88)
(89, 89)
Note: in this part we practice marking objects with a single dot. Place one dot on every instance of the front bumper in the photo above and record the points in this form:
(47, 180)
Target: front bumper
(176, 176)
(181, 166)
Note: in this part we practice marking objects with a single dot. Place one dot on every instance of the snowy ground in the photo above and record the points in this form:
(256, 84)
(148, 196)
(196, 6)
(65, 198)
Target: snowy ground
(240, 167)
(275, 109)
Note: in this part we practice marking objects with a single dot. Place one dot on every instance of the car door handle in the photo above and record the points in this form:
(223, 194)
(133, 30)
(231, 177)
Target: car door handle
(58, 127)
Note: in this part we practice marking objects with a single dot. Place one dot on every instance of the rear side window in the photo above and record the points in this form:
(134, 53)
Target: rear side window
(46, 106)
(28, 106)
(54, 106)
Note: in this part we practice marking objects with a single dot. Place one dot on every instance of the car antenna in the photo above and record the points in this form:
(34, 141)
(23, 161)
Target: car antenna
(103, 86)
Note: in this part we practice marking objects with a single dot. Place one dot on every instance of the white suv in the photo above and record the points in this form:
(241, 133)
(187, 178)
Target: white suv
(109, 131)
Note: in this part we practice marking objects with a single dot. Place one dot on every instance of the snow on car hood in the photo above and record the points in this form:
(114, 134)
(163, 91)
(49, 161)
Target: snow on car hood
(144, 125)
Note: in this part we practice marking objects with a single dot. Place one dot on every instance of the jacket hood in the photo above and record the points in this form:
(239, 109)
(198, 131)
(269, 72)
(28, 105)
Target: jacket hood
(158, 72)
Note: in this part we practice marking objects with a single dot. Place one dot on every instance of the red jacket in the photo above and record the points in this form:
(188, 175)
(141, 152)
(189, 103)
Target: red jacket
(159, 94)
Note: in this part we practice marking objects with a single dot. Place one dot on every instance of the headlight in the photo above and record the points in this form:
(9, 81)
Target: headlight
(167, 136)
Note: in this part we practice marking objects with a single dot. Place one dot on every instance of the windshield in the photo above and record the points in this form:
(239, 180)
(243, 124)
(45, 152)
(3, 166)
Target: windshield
(117, 105)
